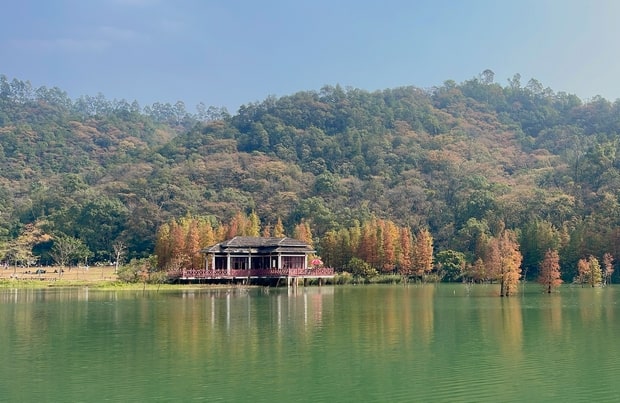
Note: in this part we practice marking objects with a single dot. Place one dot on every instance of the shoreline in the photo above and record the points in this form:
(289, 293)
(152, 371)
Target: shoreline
(106, 285)
(96, 278)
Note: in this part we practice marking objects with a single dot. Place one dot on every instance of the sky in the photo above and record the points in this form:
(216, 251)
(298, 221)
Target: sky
(227, 53)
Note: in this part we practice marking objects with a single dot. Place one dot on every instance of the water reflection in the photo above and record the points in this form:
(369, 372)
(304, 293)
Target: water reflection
(19, 295)
(590, 303)
(511, 328)
(237, 312)
(372, 343)
(552, 313)
(425, 318)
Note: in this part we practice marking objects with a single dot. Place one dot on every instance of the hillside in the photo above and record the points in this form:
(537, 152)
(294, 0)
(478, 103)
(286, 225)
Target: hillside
(462, 160)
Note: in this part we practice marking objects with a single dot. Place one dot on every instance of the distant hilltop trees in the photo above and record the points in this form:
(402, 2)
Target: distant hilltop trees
(468, 162)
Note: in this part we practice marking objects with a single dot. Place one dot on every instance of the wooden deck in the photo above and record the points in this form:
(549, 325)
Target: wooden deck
(192, 274)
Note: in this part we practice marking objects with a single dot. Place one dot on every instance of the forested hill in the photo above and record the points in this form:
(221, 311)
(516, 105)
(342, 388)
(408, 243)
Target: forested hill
(462, 160)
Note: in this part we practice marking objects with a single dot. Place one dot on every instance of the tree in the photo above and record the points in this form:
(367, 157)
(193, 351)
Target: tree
(98, 223)
(589, 271)
(163, 246)
(390, 245)
(537, 237)
(192, 245)
(369, 246)
(361, 268)
(253, 225)
(119, 252)
(207, 235)
(303, 232)
(423, 253)
(478, 271)
(278, 229)
(504, 260)
(236, 225)
(329, 249)
(177, 242)
(67, 249)
(596, 274)
(19, 250)
(451, 264)
(583, 271)
(487, 77)
(608, 265)
(405, 263)
(138, 270)
(549, 275)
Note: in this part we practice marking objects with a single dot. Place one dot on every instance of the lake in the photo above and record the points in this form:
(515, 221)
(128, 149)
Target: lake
(374, 343)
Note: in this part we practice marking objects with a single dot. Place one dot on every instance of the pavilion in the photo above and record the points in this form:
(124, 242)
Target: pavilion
(246, 257)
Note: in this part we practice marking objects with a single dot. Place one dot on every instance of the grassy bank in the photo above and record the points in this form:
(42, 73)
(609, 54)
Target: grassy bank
(102, 278)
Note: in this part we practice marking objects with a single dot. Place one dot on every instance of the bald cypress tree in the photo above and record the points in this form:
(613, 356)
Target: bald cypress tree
(549, 275)
(423, 253)
(278, 229)
(503, 260)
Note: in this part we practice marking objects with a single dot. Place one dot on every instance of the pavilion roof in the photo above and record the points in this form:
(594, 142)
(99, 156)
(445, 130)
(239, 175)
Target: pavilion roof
(260, 244)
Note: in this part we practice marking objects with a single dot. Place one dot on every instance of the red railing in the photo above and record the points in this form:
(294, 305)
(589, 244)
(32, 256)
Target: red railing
(207, 274)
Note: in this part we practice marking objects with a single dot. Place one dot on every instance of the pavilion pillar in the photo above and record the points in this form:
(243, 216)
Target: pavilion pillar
(213, 262)
(228, 263)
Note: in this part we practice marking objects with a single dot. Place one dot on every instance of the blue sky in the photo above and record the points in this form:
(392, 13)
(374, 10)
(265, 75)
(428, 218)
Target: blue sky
(233, 52)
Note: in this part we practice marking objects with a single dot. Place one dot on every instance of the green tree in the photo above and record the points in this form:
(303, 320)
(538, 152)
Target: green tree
(137, 270)
(536, 239)
(99, 223)
(595, 275)
(451, 264)
(360, 268)
(589, 272)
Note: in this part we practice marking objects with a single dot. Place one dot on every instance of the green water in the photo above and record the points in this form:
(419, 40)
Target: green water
(344, 344)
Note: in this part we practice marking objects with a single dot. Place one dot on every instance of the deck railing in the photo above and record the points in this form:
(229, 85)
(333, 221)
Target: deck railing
(215, 274)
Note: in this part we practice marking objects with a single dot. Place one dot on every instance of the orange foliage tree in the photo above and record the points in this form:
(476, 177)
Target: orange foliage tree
(303, 232)
(549, 275)
(503, 259)
(278, 229)
(179, 242)
(405, 266)
(391, 245)
(382, 245)
(423, 253)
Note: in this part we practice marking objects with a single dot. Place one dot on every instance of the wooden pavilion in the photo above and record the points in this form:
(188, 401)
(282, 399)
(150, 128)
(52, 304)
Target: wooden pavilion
(245, 257)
